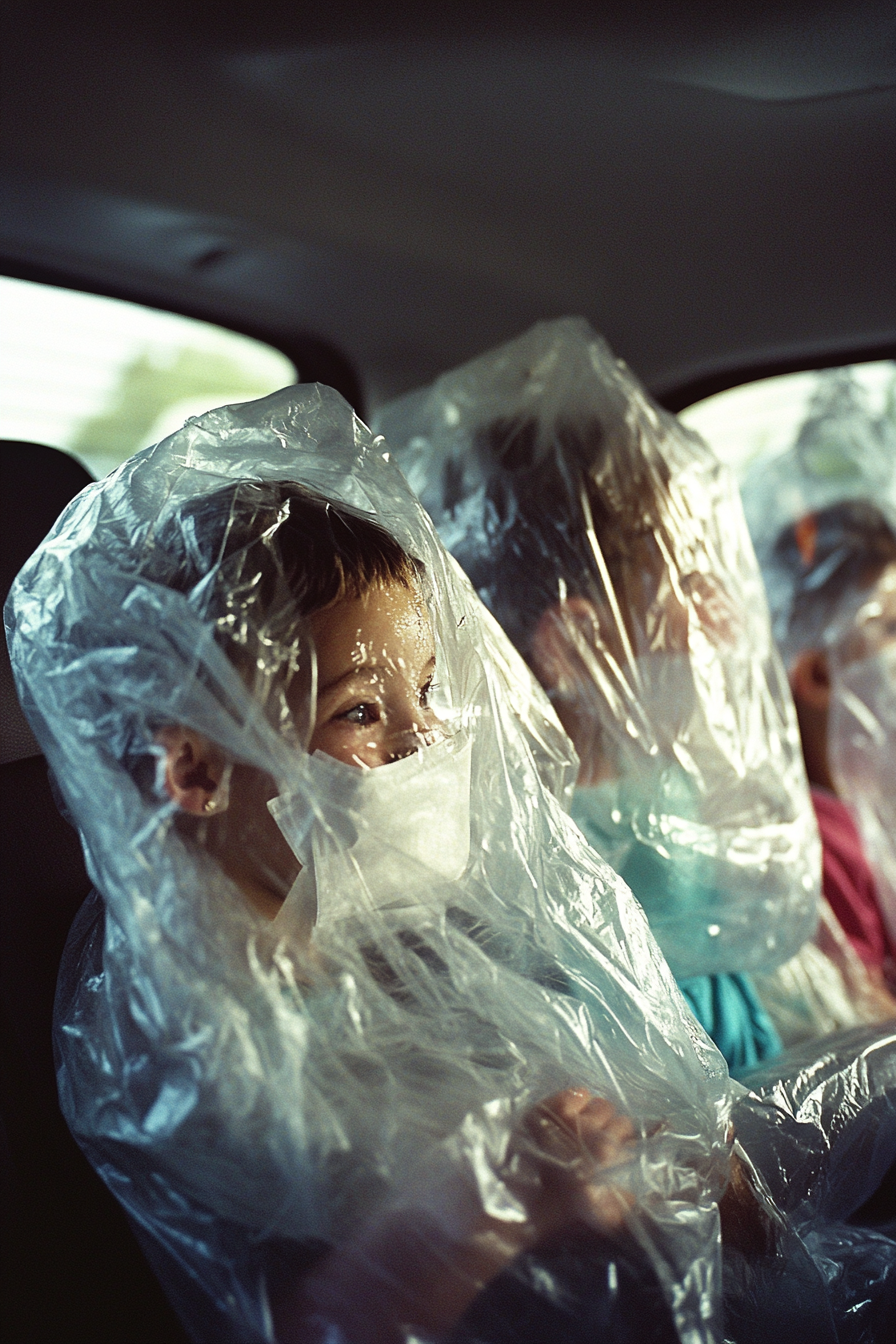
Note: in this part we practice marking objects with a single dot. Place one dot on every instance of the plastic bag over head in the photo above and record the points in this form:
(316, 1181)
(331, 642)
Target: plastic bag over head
(862, 727)
(823, 517)
(843, 453)
(611, 546)
(347, 937)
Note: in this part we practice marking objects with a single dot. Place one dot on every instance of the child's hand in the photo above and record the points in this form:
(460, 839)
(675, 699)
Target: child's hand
(404, 1269)
(573, 1126)
(576, 1137)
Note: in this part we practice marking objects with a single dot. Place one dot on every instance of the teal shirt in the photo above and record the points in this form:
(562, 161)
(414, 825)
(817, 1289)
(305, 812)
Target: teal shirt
(728, 1009)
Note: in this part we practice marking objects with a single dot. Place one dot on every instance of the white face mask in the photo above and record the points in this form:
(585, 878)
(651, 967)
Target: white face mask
(393, 834)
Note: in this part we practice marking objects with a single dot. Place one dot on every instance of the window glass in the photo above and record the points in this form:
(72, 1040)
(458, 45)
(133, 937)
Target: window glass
(102, 378)
(765, 419)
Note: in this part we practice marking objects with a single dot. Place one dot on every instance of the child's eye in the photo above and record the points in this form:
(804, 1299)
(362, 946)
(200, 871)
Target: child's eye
(363, 714)
(426, 691)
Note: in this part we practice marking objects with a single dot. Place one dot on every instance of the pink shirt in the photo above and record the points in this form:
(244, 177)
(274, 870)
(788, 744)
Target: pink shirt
(847, 880)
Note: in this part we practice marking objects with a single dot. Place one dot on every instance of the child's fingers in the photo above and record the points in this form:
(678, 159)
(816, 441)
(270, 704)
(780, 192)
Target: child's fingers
(595, 1126)
(569, 1103)
(576, 1108)
(576, 1136)
(606, 1206)
(574, 1125)
(601, 1121)
(553, 1124)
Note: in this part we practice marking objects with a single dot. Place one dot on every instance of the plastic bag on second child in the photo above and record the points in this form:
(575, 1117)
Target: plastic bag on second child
(827, 543)
(611, 545)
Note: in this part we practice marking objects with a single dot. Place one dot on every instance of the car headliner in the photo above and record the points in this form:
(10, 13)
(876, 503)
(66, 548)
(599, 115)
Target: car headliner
(712, 185)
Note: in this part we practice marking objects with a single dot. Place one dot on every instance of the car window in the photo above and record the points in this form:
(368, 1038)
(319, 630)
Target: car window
(762, 420)
(101, 378)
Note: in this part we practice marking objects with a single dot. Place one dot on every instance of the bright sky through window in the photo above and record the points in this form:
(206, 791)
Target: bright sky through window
(763, 419)
(102, 378)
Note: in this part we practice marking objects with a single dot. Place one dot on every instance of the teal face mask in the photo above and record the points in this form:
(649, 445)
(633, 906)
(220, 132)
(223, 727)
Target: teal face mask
(621, 822)
(700, 886)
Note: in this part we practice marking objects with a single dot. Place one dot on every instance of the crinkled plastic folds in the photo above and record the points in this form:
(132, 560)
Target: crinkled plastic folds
(238, 1093)
(824, 988)
(568, 495)
(863, 760)
(273, 1110)
(843, 454)
(819, 1124)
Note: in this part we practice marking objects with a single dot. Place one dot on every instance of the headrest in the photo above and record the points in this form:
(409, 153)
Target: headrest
(38, 482)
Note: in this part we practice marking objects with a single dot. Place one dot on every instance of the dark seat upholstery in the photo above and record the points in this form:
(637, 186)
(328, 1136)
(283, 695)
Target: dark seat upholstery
(73, 1272)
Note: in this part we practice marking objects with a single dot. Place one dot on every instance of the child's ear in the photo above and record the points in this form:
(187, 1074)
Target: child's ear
(196, 772)
(810, 679)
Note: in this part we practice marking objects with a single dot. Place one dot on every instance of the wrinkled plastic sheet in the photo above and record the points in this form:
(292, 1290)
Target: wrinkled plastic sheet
(819, 1124)
(824, 988)
(306, 1125)
(863, 751)
(843, 451)
(263, 1102)
(833, 597)
(611, 546)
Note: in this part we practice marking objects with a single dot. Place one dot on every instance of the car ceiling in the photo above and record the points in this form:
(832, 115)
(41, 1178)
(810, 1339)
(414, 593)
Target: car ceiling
(712, 185)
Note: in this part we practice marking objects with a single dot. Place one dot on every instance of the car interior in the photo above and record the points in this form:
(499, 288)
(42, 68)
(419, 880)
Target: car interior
(376, 194)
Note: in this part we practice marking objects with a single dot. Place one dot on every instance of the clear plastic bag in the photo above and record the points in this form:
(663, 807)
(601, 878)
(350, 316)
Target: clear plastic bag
(823, 988)
(819, 1125)
(611, 546)
(842, 451)
(862, 723)
(823, 517)
(863, 758)
(341, 1125)
(430, 1091)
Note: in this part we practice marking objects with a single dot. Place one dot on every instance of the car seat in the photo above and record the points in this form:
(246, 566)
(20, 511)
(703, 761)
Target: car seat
(72, 1268)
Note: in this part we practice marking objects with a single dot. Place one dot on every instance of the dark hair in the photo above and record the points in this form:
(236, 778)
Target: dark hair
(257, 557)
(828, 556)
(553, 496)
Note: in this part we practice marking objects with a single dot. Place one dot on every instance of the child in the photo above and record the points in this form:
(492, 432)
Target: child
(611, 547)
(357, 1020)
(376, 664)
(366, 1040)
(837, 630)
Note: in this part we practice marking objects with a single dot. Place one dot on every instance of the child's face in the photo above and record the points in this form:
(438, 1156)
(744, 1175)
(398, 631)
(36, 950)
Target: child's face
(579, 648)
(376, 661)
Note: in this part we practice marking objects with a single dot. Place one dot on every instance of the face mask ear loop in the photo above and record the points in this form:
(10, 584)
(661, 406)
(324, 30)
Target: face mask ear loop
(220, 799)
